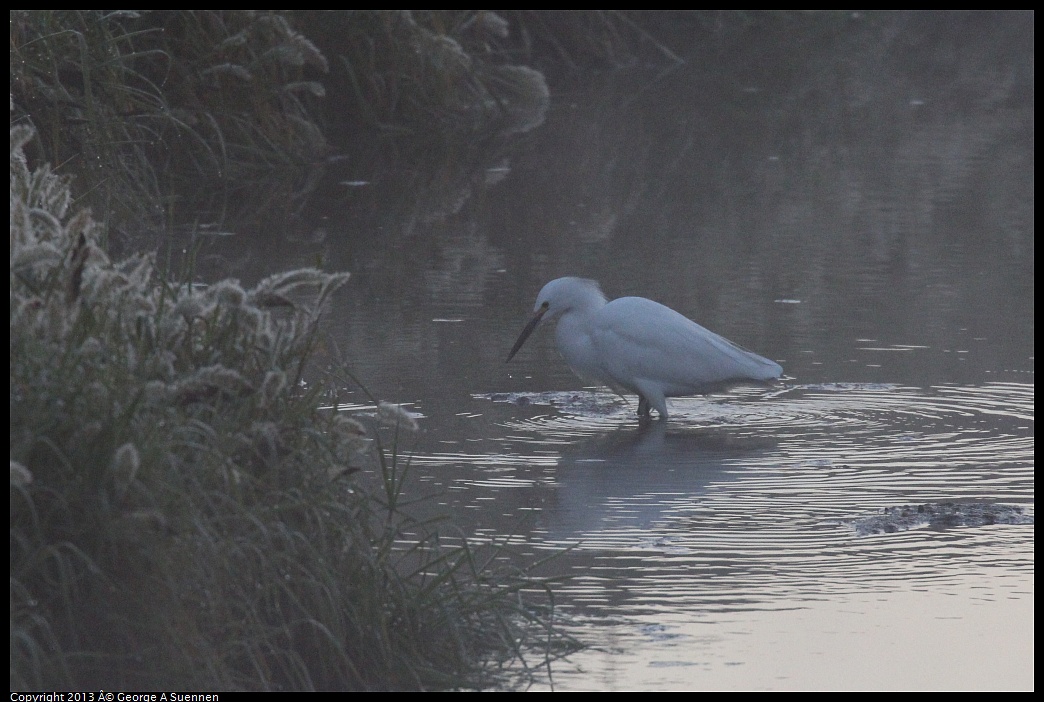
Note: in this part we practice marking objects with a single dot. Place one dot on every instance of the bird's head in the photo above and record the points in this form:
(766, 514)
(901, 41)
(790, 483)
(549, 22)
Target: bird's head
(558, 297)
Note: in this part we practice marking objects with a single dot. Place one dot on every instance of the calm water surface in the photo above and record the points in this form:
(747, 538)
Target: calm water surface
(855, 203)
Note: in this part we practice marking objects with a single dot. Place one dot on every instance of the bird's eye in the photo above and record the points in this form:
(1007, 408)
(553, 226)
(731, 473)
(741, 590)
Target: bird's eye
(545, 305)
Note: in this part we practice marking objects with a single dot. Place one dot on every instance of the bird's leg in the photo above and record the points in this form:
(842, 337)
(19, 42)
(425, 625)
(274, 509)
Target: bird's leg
(643, 407)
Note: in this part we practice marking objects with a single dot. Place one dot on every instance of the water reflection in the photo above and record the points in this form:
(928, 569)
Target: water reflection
(704, 541)
(613, 489)
(806, 458)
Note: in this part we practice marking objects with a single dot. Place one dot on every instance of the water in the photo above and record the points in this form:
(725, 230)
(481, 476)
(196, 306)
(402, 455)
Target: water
(721, 550)
(855, 202)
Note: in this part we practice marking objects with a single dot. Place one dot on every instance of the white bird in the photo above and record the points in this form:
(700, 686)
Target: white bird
(639, 346)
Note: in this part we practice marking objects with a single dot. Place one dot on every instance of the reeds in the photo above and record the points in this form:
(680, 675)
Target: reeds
(166, 112)
(150, 109)
(182, 513)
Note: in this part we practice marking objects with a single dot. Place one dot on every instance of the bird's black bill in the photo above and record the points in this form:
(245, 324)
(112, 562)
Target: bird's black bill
(526, 332)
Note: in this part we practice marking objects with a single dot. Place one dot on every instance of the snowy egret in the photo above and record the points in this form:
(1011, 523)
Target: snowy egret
(636, 345)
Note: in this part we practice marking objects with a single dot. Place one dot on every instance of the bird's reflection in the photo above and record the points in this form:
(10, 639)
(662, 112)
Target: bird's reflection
(635, 478)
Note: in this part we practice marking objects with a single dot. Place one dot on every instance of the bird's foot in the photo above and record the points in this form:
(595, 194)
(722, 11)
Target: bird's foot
(643, 408)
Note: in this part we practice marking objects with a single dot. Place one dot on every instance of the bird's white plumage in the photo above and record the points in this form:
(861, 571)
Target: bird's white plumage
(636, 345)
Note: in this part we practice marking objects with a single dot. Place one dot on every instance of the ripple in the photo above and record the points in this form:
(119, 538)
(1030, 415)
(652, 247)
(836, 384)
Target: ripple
(759, 492)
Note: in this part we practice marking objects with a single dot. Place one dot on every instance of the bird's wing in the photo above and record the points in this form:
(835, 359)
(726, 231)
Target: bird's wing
(641, 339)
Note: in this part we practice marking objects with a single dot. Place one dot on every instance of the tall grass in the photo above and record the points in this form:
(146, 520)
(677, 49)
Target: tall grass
(169, 113)
(147, 107)
(182, 514)
(435, 74)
